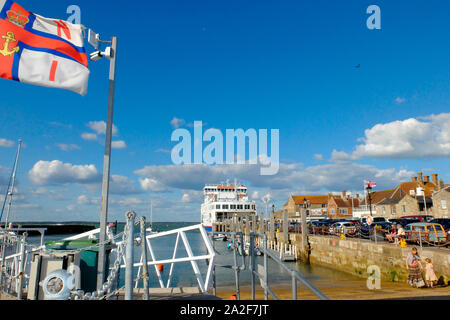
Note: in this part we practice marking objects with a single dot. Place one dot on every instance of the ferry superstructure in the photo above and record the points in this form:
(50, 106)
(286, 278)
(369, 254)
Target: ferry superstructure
(223, 202)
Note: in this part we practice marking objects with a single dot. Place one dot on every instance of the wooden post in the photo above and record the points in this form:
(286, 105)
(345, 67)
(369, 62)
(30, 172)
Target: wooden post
(285, 226)
(305, 247)
(261, 224)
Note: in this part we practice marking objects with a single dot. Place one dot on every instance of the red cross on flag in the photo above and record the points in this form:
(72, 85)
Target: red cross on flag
(370, 184)
(41, 51)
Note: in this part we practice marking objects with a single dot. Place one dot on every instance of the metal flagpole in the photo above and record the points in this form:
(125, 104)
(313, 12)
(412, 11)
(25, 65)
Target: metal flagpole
(106, 167)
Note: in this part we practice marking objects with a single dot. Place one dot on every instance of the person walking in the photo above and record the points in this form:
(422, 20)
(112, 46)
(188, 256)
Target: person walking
(413, 263)
(430, 276)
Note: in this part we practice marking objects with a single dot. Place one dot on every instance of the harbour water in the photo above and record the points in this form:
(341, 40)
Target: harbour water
(183, 275)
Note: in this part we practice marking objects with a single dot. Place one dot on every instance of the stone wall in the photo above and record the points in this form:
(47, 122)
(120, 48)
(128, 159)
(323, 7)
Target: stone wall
(355, 256)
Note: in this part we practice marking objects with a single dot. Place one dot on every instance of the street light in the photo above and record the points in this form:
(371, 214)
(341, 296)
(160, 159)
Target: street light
(110, 53)
(369, 188)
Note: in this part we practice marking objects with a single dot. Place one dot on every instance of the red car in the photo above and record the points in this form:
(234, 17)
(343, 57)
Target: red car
(422, 218)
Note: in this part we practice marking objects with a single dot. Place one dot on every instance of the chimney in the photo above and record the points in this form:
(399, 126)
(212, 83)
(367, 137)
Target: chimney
(426, 179)
(419, 175)
(434, 176)
(414, 179)
(441, 184)
(344, 194)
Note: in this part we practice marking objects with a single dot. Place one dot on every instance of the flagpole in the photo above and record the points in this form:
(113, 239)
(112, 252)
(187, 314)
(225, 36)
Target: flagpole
(106, 167)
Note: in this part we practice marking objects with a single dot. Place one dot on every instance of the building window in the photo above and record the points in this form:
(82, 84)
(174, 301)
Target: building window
(232, 206)
(332, 211)
(247, 206)
(393, 210)
(217, 206)
(225, 206)
(403, 208)
(444, 204)
(384, 210)
(239, 206)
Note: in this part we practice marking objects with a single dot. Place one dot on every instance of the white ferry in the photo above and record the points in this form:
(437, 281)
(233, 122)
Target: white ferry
(222, 202)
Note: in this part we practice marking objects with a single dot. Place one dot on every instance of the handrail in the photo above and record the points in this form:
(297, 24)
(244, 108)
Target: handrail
(294, 274)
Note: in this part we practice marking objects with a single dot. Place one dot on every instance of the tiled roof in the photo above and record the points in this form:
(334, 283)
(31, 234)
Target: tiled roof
(378, 196)
(346, 202)
(390, 201)
(316, 199)
(404, 188)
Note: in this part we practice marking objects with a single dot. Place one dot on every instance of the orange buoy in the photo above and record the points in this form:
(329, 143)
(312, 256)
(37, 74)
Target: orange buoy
(233, 297)
(160, 267)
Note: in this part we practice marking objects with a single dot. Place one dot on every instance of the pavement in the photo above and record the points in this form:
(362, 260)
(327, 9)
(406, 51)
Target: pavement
(347, 290)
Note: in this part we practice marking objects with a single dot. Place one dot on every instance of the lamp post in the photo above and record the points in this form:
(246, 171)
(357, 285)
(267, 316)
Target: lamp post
(368, 188)
(110, 53)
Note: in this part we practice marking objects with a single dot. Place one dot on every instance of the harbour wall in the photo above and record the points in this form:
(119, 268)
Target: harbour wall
(354, 256)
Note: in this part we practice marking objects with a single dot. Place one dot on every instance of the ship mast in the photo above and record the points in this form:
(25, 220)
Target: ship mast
(10, 190)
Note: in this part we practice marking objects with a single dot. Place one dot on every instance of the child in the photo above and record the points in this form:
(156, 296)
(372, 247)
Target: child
(430, 277)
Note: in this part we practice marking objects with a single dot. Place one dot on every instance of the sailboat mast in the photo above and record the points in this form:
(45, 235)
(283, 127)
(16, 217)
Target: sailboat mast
(13, 180)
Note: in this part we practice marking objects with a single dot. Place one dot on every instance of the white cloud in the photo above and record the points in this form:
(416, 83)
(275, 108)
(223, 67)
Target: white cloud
(318, 157)
(412, 138)
(191, 196)
(122, 185)
(323, 178)
(100, 127)
(176, 123)
(89, 136)
(58, 173)
(120, 144)
(67, 147)
(83, 199)
(6, 143)
(148, 184)
(400, 100)
(130, 201)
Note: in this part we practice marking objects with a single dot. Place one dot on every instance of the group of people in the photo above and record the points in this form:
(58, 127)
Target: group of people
(414, 266)
(397, 233)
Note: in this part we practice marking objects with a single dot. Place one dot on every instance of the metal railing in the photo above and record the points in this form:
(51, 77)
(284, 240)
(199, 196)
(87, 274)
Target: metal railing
(263, 272)
(264, 278)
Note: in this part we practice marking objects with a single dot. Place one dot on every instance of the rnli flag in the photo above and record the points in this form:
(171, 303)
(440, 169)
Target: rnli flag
(41, 51)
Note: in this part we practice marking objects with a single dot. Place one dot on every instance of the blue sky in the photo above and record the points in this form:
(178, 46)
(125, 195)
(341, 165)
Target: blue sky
(287, 65)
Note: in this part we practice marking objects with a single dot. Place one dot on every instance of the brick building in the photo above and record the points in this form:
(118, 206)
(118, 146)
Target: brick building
(317, 205)
(341, 206)
(404, 200)
(441, 203)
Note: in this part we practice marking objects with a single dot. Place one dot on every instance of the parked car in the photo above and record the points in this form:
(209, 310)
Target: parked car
(375, 219)
(384, 226)
(421, 218)
(425, 232)
(343, 227)
(445, 222)
(403, 222)
(321, 227)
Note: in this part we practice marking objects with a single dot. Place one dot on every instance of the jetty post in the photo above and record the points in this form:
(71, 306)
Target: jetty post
(285, 226)
(106, 166)
(305, 247)
(129, 255)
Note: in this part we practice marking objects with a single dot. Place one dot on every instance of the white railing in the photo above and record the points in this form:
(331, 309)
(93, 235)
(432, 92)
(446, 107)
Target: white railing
(203, 283)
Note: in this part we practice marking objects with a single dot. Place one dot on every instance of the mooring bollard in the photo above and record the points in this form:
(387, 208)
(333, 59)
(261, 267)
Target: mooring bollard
(130, 216)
